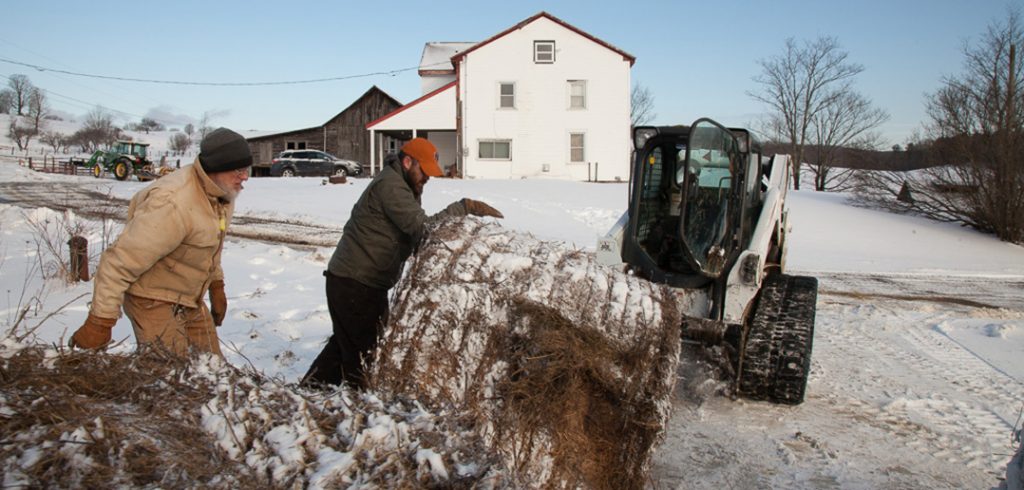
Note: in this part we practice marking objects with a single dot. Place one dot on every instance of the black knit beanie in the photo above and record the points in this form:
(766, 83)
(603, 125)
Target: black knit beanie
(223, 149)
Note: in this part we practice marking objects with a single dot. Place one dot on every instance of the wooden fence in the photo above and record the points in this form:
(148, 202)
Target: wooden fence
(51, 165)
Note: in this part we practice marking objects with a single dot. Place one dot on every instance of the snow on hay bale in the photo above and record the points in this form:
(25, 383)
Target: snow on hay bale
(564, 366)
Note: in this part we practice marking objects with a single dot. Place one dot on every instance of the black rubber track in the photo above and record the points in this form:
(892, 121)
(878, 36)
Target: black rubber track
(777, 357)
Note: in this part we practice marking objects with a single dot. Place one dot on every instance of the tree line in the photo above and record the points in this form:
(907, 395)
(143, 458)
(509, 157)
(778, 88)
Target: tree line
(29, 104)
(974, 172)
(968, 163)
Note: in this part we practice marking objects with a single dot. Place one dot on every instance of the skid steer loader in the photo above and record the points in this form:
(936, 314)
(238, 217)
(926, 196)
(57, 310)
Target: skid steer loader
(707, 214)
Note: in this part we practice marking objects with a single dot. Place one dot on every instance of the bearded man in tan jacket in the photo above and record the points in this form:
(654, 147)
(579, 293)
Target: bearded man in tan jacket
(168, 256)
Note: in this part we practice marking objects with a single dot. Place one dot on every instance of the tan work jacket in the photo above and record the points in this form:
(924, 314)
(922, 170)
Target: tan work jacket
(170, 247)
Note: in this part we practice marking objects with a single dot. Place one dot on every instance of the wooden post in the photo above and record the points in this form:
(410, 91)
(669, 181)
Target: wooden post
(79, 267)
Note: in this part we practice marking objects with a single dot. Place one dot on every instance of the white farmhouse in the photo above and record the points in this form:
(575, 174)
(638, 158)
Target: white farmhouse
(540, 99)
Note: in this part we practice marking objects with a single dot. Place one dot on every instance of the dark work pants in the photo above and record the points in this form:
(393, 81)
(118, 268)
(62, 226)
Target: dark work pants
(358, 313)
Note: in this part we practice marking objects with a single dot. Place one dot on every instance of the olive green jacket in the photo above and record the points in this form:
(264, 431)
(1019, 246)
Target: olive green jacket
(171, 244)
(386, 224)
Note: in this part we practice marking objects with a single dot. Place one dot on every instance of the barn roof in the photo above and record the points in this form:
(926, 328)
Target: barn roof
(356, 103)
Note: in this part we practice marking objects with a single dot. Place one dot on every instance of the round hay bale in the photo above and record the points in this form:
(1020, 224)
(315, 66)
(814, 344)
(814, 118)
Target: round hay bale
(564, 366)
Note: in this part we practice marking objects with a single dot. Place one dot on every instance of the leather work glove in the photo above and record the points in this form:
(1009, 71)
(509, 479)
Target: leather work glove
(93, 334)
(218, 302)
(477, 208)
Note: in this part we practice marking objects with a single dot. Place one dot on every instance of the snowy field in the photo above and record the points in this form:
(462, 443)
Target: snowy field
(917, 372)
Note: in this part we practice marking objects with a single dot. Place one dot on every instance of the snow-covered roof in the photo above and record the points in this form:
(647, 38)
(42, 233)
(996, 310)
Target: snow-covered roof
(436, 59)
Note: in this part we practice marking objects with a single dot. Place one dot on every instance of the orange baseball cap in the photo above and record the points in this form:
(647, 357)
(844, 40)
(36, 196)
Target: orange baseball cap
(424, 152)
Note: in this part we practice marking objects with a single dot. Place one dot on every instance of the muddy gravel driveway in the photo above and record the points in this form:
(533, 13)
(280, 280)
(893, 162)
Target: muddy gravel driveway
(88, 200)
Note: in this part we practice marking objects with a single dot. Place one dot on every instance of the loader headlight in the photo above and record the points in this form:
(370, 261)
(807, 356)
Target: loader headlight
(641, 135)
(749, 267)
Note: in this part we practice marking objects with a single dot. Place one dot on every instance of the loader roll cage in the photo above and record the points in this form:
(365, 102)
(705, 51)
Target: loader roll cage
(695, 197)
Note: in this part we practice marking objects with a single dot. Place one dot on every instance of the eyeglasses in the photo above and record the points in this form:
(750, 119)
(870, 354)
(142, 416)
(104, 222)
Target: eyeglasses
(243, 172)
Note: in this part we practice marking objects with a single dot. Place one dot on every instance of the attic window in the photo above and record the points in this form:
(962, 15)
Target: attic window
(543, 51)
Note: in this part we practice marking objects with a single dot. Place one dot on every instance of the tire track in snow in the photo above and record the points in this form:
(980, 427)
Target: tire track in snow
(963, 371)
(941, 399)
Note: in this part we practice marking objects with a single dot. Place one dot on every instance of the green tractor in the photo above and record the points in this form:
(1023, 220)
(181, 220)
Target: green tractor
(123, 159)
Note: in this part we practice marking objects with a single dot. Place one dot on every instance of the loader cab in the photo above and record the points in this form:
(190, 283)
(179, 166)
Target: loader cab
(694, 196)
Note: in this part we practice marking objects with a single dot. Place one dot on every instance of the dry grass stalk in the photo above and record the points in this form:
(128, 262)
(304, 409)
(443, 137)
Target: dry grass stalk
(151, 419)
(99, 420)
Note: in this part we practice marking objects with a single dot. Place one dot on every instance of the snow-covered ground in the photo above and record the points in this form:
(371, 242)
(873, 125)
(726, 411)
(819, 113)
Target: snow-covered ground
(918, 367)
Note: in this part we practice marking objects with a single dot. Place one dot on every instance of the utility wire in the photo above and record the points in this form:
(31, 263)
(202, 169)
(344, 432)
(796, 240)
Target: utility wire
(84, 104)
(121, 88)
(219, 84)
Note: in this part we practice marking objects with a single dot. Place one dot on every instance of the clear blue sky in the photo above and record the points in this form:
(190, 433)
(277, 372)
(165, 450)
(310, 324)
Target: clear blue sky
(697, 58)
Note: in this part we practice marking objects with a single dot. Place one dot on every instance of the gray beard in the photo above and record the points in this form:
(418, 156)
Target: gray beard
(229, 194)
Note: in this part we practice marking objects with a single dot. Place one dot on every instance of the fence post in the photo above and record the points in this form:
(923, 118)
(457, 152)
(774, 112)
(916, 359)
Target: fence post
(79, 267)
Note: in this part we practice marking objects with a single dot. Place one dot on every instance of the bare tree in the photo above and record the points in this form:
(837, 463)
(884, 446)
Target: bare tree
(54, 139)
(844, 123)
(21, 90)
(204, 125)
(37, 108)
(977, 129)
(97, 130)
(6, 101)
(179, 143)
(641, 105)
(149, 124)
(146, 124)
(189, 130)
(21, 134)
(798, 85)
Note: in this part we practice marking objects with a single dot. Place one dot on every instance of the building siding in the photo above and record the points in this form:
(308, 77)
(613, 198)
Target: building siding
(540, 125)
(343, 136)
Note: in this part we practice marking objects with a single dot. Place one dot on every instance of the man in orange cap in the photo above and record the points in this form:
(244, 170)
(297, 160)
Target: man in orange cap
(386, 225)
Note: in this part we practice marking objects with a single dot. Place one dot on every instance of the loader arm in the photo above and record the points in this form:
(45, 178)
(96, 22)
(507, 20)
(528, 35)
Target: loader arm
(748, 273)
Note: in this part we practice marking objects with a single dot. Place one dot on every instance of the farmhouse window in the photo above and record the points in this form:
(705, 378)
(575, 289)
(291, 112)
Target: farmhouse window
(295, 145)
(543, 51)
(507, 95)
(576, 146)
(495, 149)
(577, 94)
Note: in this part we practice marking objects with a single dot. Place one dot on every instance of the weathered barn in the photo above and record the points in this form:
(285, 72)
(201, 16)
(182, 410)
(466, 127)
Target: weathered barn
(343, 136)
